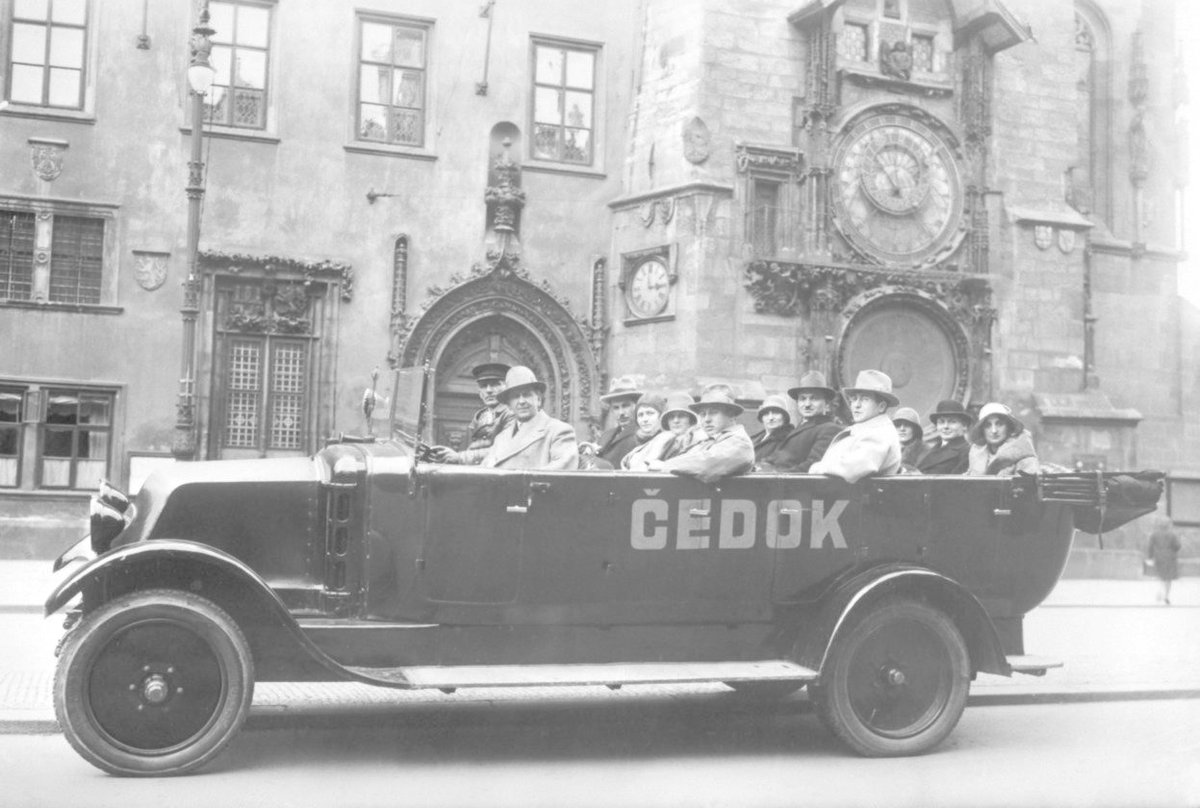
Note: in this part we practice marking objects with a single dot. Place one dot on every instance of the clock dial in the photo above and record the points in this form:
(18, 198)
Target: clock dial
(897, 194)
(649, 288)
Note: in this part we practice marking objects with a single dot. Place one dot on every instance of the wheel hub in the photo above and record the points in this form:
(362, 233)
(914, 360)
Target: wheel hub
(155, 689)
(894, 676)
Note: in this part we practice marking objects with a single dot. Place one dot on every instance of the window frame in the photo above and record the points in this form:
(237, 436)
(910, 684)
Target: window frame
(212, 128)
(595, 165)
(44, 429)
(85, 112)
(17, 427)
(45, 212)
(429, 128)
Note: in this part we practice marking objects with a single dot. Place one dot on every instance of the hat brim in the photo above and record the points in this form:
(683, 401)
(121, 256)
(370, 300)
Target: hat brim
(733, 409)
(891, 400)
(764, 410)
(634, 394)
(509, 392)
(913, 424)
(965, 417)
(829, 392)
(662, 421)
(1015, 427)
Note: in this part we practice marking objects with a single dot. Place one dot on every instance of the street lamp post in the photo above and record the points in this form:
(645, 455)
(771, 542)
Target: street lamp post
(200, 76)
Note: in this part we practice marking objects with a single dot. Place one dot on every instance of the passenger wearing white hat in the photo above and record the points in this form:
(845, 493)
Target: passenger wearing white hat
(726, 448)
(870, 445)
(1001, 445)
(487, 422)
(678, 432)
(535, 441)
(777, 425)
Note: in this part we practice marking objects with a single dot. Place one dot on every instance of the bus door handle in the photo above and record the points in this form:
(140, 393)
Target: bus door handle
(1002, 511)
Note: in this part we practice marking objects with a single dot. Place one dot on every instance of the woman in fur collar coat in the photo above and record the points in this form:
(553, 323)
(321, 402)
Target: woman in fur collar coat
(1001, 444)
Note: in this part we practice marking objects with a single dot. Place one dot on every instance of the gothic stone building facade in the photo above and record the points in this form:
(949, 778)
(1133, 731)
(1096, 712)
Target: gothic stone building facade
(978, 197)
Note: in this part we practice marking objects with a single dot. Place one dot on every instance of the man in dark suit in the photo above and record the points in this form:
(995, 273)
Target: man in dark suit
(807, 442)
(488, 421)
(535, 440)
(620, 438)
(950, 451)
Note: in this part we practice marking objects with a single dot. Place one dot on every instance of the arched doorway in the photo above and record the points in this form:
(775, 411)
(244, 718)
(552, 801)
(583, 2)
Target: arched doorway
(914, 340)
(494, 338)
(498, 314)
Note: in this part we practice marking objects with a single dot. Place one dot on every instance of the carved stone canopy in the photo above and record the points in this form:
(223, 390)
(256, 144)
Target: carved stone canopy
(307, 272)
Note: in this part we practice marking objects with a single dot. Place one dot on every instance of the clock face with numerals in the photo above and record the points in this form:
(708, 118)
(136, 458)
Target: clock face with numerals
(896, 191)
(648, 289)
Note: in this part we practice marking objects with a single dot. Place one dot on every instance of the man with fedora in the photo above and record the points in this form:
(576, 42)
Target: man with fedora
(486, 423)
(806, 443)
(725, 449)
(870, 445)
(535, 440)
(620, 438)
(950, 452)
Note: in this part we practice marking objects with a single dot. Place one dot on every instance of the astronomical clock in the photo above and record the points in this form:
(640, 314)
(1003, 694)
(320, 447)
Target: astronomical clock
(897, 188)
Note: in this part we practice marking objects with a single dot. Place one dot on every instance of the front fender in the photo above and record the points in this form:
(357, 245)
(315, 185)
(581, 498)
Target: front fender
(856, 594)
(173, 563)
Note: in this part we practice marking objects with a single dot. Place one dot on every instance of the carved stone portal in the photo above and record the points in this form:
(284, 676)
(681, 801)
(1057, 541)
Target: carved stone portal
(505, 290)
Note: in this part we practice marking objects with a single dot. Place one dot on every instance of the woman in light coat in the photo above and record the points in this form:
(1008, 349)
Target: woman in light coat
(1001, 445)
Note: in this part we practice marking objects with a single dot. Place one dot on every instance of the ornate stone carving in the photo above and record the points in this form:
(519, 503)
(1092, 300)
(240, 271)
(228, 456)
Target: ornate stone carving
(308, 272)
(778, 159)
(47, 156)
(1139, 92)
(486, 292)
(280, 308)
(1085, 40)
(150, 269)
(895, 60)
(504, 195)
(1043, 236)
(1066, 240)
(697, 141)
(791, 289)
(655, 209)
(399, 288)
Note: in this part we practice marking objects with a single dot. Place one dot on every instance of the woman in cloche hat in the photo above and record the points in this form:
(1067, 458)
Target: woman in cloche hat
(908, 427)
(725, 449)
(1002, 444)
(677, 424)
(777, 425)
(870, 445)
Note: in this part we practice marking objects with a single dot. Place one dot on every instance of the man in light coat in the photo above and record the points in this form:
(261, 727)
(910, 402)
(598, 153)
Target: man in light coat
(535, 440)
(726, 448)
(870, 445)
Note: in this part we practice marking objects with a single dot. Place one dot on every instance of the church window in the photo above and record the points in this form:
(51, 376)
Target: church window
(852, 42)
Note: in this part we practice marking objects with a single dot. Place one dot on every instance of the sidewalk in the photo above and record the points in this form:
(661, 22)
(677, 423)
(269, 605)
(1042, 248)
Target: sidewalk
(1115, 642)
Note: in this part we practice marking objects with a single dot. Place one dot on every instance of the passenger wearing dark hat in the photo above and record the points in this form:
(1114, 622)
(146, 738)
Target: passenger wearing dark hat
(621, 435)
(869, 446)
(806, 444)
(725, 449)
(950, 450)
(486, 423)
(535, 440)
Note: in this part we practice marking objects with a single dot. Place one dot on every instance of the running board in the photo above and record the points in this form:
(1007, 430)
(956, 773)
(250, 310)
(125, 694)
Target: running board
(613, 674)
(1033, 665)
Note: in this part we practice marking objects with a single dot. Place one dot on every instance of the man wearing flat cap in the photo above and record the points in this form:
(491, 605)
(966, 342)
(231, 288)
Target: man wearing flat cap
(951, 453)
(806, 444)
(534, 440)
(487, 422)
(725, 449)
(620, 438)
(870, 445)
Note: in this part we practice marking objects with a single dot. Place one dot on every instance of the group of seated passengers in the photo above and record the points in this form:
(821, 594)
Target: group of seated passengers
(703, 439)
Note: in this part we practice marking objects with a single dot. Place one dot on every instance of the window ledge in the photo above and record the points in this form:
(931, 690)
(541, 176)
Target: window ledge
(47, 493)
(79, 308)
(385, 150)
(47, 113)
(563, 168)
(248, 135)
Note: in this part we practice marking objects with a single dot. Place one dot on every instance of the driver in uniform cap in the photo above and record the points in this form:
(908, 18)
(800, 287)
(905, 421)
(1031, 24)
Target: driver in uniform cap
(487, 422)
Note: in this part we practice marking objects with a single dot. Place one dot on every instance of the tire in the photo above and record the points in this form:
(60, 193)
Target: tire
(895, 683)
(154, 683)
(768, 690)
